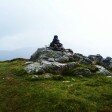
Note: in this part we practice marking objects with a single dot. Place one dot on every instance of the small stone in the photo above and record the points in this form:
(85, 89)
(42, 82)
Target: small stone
(34, 77)
(73, 79)
(81, 76)
(109, 76)
(29, 62)
(66, 81)
(51, 59)
(70, 85)
(47, 75)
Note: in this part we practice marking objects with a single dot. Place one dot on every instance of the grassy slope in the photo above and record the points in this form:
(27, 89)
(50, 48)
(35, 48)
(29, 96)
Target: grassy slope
(17, 94)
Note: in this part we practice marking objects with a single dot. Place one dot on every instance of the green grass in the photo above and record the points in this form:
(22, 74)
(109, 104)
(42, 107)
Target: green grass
(73, 94)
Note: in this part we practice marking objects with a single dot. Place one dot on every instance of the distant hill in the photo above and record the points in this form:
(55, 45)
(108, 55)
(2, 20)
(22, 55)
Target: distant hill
(19, 53)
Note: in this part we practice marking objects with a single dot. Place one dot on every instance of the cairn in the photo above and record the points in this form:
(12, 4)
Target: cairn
(56, 45)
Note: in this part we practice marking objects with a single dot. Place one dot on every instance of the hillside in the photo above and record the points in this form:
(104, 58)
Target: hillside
(19, 93)
(56, 79)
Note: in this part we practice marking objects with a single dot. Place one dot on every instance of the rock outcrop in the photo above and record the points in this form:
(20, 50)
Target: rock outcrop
(82, 59)
(46, 60)
(82, 72)
(102, 70)
(96, 59)
(57, 60)
(50, 67)
(51, 55)
(107, 62)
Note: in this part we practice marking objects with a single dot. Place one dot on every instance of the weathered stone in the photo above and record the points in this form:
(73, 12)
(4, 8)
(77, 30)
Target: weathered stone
(85, 60)
(51, 55)
(92, 68)
(47, 75)
(51, 60)
(81, 59)
(34, 78)
(96, 59)
(109, 76)
(50, 67)
(107, 63)
(82, 72)
(77, 57)
(32, 68)
(63, 59)
(28, 62)
(102, 70)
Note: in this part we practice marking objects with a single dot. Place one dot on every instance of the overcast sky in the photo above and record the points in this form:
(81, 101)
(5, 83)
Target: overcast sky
(82, 25)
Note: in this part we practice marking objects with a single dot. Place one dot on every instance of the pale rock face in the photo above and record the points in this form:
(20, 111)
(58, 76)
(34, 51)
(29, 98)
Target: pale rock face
(103, 70)
(51, 60)
(49, 67)
(32, 68)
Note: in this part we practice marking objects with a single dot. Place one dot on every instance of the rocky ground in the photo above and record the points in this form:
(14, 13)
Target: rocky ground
(46, 60)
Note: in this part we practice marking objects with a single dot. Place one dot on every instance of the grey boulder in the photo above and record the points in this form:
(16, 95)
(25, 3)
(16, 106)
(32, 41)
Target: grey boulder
(50, 67)
(107, 63)
(82, 72)
(96, 59)
(81, 59)
(51, 55)
(102, 70)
